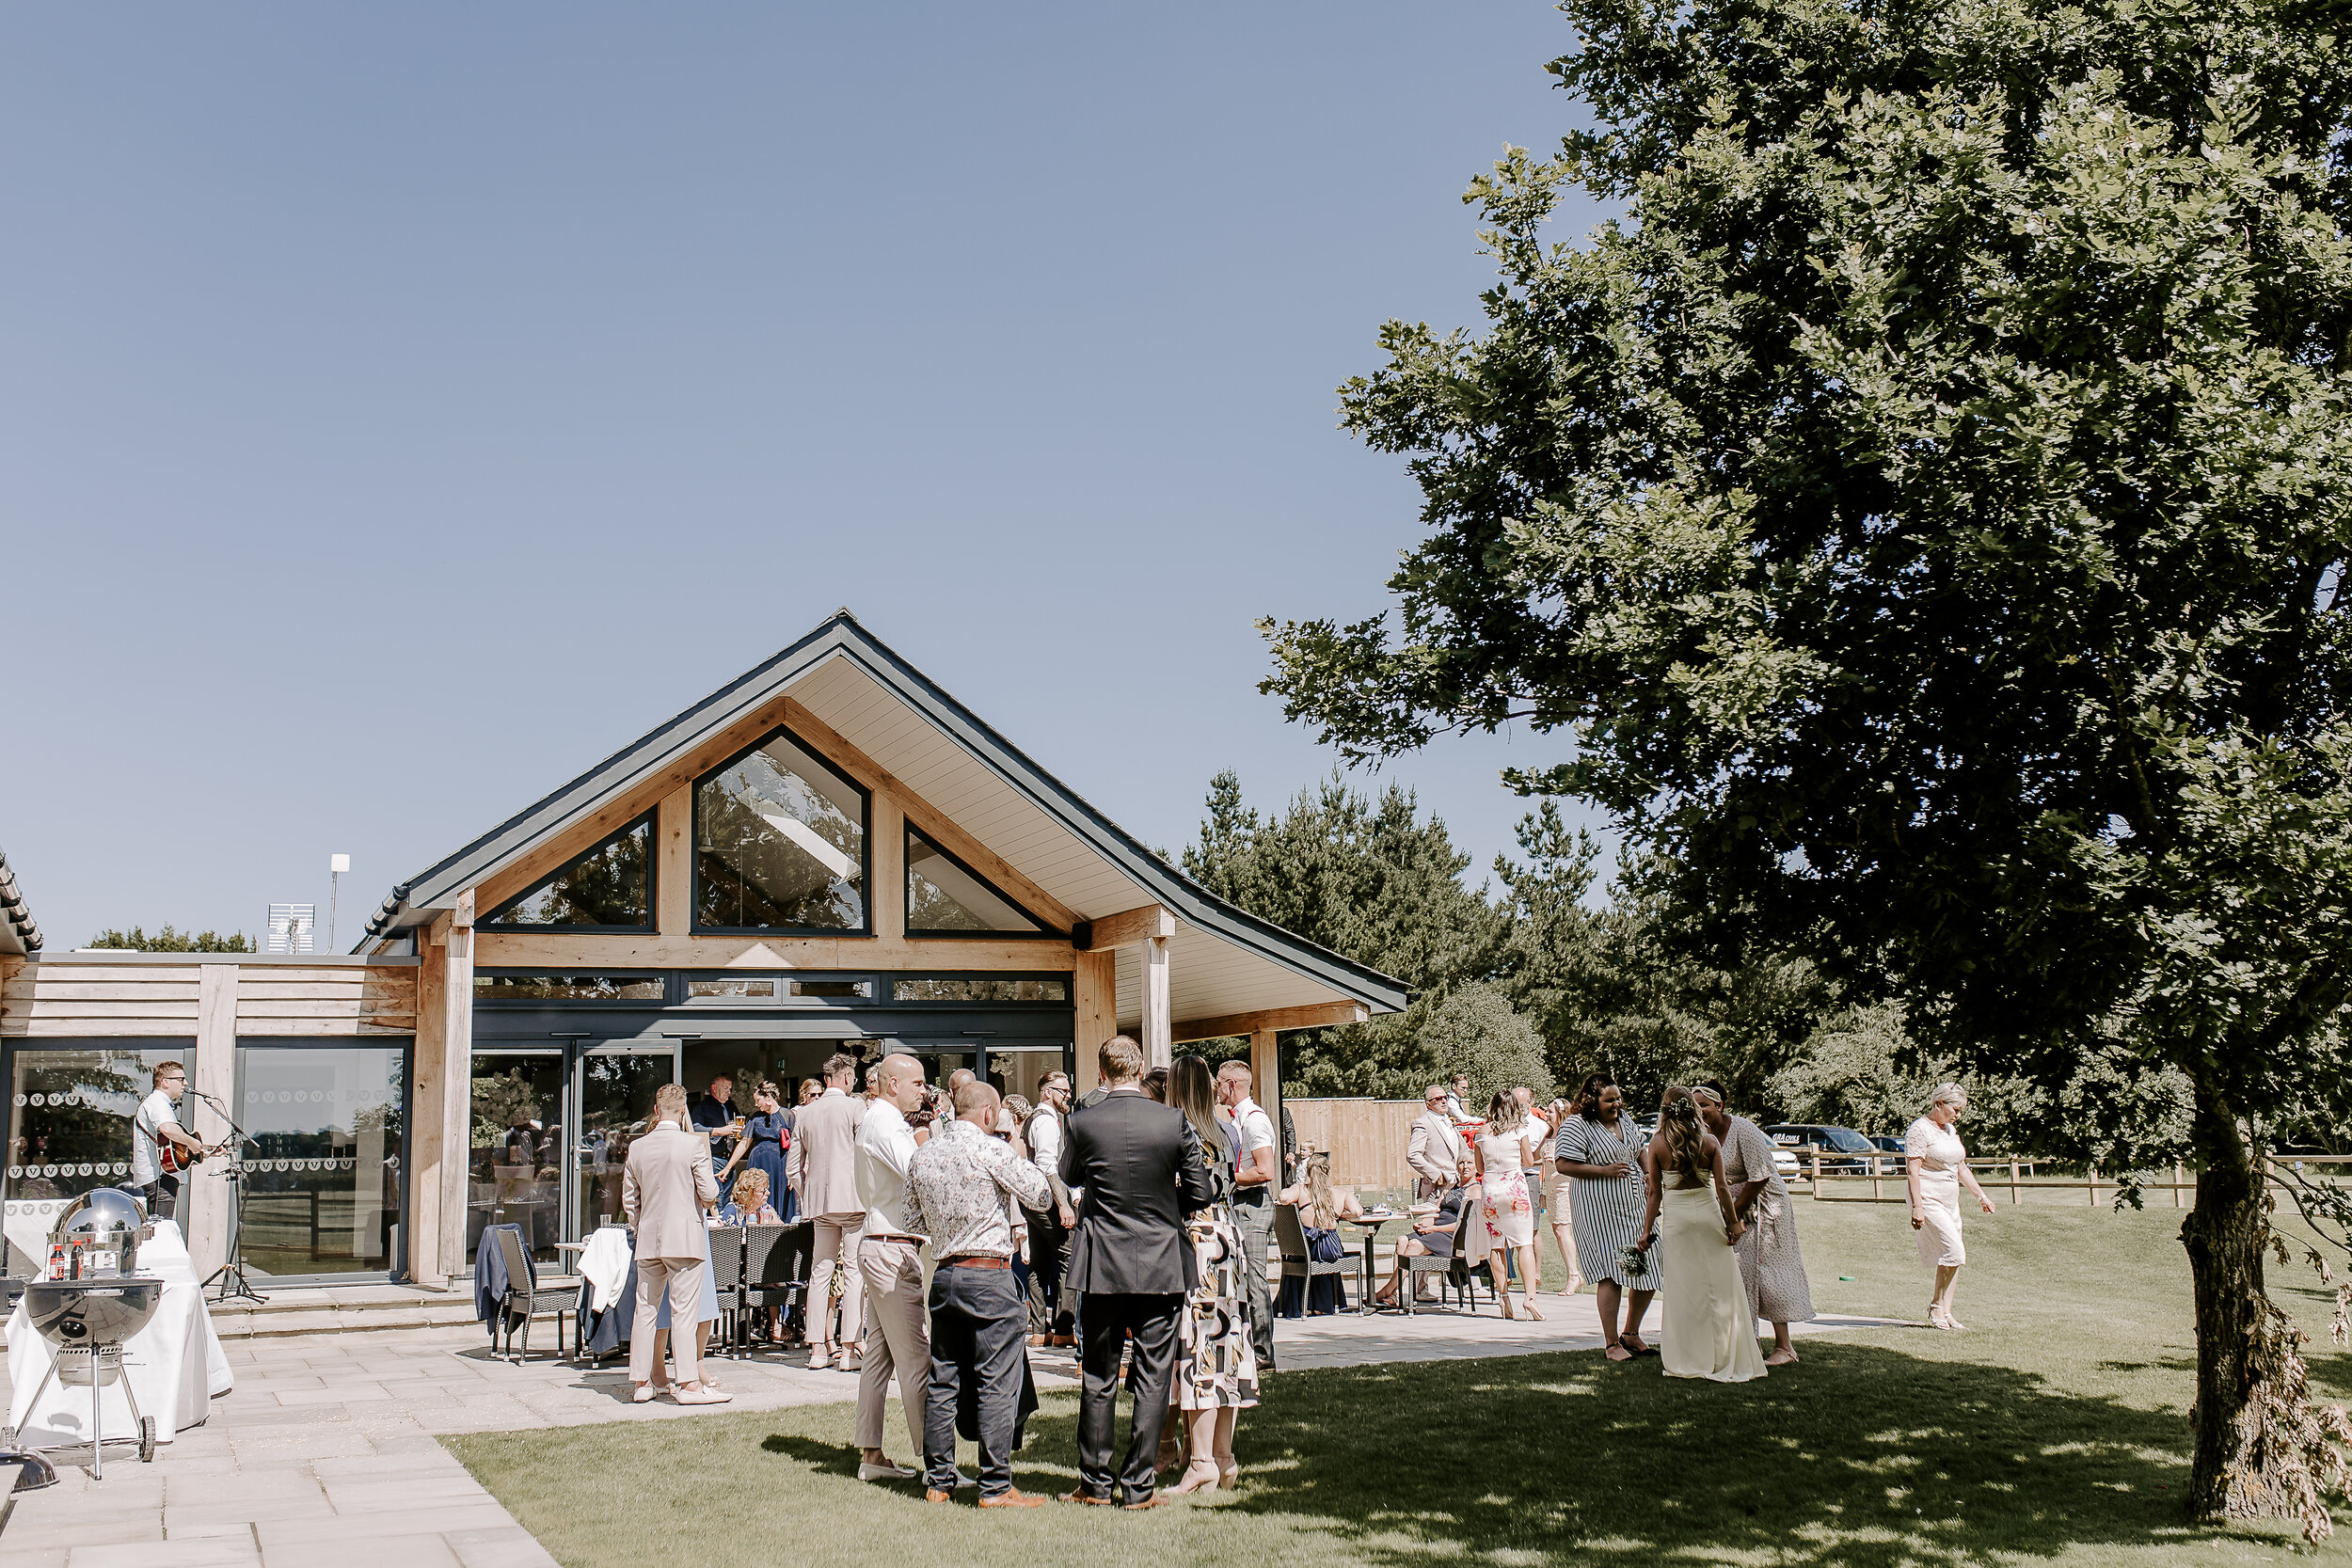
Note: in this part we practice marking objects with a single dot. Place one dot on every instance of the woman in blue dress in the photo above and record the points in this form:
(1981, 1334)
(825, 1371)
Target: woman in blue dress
(766, 1136)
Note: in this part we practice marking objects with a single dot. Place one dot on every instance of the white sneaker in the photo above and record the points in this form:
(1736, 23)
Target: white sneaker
(643, 1394)
(884, 1472)
(820, 1361)
(701, 1395)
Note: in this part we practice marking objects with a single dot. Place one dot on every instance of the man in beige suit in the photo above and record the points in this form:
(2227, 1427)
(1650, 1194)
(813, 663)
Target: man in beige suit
(822, 1166)
(1433, 1149)
(665, 1188)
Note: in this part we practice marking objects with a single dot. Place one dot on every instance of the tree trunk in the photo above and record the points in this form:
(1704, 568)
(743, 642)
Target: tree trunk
(2225, 1260)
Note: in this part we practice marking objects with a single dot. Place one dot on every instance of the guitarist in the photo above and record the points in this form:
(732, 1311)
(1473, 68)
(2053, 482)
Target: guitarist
(160, 1149)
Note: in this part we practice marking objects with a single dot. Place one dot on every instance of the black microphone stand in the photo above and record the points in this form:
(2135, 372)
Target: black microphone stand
(234, 1285)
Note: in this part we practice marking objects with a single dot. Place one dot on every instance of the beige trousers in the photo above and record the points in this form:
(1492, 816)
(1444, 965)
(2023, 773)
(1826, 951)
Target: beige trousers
(836, 1238)
(675, 1275)
(898, 1339)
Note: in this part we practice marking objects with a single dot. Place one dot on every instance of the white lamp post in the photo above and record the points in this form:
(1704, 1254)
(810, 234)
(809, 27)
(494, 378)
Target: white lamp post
(336, 867)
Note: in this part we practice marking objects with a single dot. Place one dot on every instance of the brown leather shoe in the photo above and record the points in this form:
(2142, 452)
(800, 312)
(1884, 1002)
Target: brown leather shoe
(1152, 1501)
(1012, 1499)
(1080, 1495)
(933, 1494)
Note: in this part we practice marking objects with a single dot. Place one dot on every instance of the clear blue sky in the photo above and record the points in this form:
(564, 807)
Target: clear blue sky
(404, 406)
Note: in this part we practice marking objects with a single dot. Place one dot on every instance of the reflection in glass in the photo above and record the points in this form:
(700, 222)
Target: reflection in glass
(736, 990)
(322, 1188)
(981, 991)
(836, 988)
(617, 1091)
(70, 1117)
(567, 988)
(780, 842)
(1022, 1072)
(515, 1174)
(943, 897)
(610, 885)
(770, 989)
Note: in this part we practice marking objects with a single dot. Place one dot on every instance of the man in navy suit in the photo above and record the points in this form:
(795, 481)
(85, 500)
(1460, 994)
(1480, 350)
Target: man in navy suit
(1140, 1166)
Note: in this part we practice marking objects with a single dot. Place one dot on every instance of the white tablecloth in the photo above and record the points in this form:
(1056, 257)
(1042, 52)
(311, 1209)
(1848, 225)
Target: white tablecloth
(175, 1364)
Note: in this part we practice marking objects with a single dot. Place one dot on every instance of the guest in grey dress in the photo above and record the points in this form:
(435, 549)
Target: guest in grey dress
(1770, 1263)
(1599, 1149)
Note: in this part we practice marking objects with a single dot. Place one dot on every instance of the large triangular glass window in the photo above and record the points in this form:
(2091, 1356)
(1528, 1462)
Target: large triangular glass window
(947, 898)
(607, 889)
(779, 843)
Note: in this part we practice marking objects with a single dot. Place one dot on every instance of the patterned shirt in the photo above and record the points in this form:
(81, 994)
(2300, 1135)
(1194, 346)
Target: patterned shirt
(956, 1187)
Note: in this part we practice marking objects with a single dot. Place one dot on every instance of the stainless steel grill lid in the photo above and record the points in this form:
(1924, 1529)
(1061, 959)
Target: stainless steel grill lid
(106, 1219)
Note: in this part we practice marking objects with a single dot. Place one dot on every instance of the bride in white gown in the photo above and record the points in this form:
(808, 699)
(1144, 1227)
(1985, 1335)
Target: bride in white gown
(1707, 1331)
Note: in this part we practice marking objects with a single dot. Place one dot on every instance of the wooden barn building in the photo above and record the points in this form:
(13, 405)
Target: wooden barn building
(829, 853)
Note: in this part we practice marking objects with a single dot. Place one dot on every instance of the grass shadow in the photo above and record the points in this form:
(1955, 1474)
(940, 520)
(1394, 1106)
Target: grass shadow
(825, 1459)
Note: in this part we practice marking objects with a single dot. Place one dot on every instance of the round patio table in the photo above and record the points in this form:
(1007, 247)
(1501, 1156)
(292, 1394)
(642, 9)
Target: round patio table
(1369, 1223)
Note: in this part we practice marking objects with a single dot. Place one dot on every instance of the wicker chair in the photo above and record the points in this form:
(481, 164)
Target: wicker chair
(529, 1295)
(1455, 1274)
(775, 1265)
(727, 1278)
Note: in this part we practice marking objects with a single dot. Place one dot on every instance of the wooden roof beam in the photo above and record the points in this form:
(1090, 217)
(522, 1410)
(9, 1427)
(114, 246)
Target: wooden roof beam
(1127, 928)
(1322, 1014)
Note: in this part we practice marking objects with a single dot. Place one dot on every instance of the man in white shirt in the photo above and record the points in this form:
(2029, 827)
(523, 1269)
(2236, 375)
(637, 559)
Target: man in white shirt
(157, 1120)
(1050, 1320)
(890, 1261)
(1455, 1105)
(1257, 1160)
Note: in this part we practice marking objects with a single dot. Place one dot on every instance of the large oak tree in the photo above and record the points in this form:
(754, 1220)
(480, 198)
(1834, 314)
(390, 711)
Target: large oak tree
(1926, 510)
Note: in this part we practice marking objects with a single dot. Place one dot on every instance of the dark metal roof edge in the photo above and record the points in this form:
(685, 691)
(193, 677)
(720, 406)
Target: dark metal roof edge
(841, 633)
(21, 926)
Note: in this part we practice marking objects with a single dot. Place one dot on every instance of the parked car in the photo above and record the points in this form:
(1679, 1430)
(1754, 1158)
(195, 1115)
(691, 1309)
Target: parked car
(1785, 1163)
(1893, 1146)
(1835, 1140)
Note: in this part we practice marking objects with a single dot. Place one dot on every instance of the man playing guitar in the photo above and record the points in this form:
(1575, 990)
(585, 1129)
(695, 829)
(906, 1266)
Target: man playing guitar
(159, 1148)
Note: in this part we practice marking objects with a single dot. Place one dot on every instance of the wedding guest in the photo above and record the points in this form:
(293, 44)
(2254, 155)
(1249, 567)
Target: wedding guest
(1321, 1207)
(1936, 1165)
(1250, 1133)
(1433, 1148)
(1541, 1138)
(960, 1187)
(810, 1089)
(1050, 1322)
(747, 1203)
(765, 1135)
(1556, 1193)
(1506, 1219)
(822, 1166)
(713, 1116)
(890, 1266)
(1457, 1098)
(1434, 1220)
(1771, 1263)
(664, 1187)
(1600, 1152)
(1217, 1365)
(1138, 1168)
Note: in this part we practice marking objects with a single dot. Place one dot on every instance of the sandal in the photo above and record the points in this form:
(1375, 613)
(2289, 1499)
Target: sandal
(1615, 1351)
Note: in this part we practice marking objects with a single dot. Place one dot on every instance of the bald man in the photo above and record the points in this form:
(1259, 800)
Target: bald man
(889, 1260)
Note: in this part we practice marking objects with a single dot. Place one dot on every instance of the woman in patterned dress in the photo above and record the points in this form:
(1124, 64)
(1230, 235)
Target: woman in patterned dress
(1506, 1216)
(1601, 1150)
(1216, 1367)
(1770, 1263)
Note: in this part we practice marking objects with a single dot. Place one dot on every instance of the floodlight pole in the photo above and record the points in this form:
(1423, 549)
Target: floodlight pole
(336, 867)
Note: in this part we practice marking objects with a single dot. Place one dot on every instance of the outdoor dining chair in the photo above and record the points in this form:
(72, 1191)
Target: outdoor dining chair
(1290, 1239)
(775, 1265)
(727, 1278)
(1455, 1274)
(529, 1295)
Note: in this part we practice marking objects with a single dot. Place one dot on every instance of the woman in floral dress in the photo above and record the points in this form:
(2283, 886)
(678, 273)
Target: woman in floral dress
(1216, 1367)
(1504, 1148)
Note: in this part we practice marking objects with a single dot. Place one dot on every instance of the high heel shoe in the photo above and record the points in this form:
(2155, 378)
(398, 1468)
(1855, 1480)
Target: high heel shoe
(1200, 1475)
(1227, 1473)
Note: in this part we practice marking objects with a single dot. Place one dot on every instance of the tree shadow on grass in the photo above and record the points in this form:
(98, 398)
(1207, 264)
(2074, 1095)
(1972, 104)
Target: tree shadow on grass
(825, 1459)
(1861, 1454)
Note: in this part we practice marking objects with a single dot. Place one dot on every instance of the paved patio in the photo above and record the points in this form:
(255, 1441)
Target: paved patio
(326, 1453)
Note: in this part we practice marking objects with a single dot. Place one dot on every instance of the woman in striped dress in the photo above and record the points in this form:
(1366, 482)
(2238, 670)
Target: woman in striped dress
(1600, 1152)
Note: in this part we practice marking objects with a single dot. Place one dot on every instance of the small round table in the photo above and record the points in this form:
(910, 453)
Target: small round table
(1369, 1223)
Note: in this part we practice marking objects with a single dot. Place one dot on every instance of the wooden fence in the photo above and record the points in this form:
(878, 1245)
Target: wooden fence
(1366, 1138)
(1834, 1181)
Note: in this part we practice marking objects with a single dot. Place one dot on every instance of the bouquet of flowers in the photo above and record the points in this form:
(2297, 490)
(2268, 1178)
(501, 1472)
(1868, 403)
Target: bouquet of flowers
(1633, 1263)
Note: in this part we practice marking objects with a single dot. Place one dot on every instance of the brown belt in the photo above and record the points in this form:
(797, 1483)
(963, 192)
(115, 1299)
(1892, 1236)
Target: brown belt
(979, 1263)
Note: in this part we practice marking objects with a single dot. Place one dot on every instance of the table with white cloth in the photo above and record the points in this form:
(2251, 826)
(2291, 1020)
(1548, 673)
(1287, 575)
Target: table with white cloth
(175, 1364)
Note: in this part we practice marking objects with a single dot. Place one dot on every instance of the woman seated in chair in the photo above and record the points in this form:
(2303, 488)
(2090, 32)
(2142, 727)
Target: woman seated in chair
(748, 1203)
(1432, 1236)
(1321, 1207)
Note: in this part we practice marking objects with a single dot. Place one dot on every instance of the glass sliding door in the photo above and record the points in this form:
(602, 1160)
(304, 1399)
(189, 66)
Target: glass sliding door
(612, 1089)
(322, 1188)
(515, 1169)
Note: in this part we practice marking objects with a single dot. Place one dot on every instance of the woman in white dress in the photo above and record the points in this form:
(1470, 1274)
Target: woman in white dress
(1708, 1331)
(1935, 1168)
(1505, 1146)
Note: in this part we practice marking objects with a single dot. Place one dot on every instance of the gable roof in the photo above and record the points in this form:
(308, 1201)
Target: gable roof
(844, 668)
(18, 934)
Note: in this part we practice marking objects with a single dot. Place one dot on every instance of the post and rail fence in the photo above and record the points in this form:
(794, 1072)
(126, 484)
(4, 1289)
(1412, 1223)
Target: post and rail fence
(1367, 1137)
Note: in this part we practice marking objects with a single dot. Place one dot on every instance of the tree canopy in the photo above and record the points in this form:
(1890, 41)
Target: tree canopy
(1926, 512)
(171, 939)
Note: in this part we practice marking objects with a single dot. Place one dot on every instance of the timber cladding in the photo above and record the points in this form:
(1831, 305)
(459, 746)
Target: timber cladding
(278, 1000)
(1366, 1138)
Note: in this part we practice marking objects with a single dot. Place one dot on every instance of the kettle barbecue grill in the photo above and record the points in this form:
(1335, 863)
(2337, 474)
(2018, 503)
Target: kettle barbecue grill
(87, 1319)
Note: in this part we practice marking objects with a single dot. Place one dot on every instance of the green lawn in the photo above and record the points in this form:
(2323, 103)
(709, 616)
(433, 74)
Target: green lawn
(2052, 1432)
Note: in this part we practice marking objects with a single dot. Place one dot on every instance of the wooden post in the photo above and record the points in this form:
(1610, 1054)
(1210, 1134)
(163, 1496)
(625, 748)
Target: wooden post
(456, 1088)
(674, 874)
(2094, 1186)
(213, 1073)
(2014, 1199)
(1816, 1155)
(1094, 992)
(1265, 1072)
(2176, 1184)
(1159, 1023)
(421, 1217)
(887, 894)
(1877, 1185)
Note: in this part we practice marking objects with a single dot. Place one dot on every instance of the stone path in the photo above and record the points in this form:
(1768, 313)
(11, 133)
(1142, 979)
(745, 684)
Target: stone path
(325, 1455)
